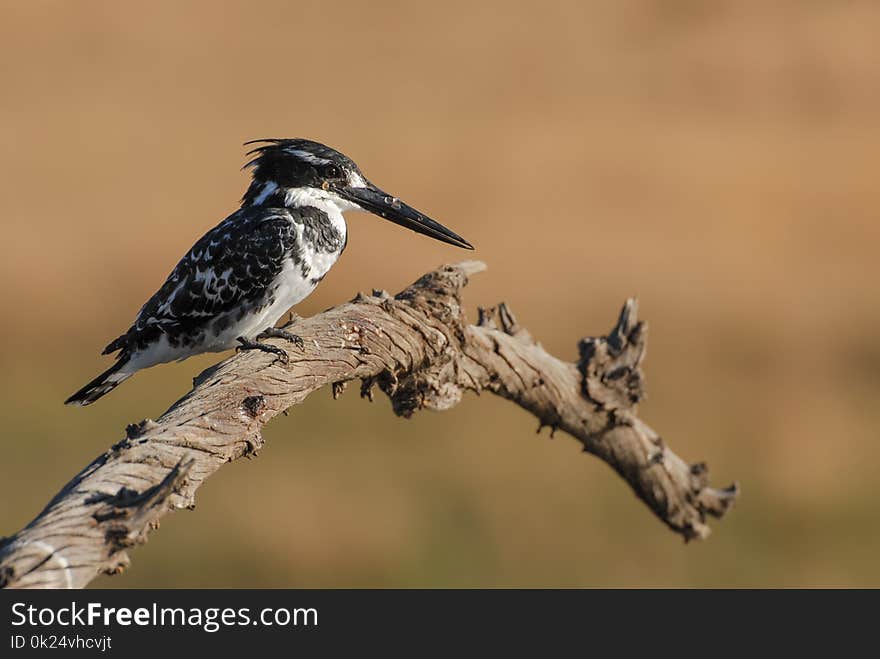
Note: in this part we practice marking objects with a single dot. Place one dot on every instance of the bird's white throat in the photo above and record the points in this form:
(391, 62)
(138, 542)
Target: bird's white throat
(324, 200)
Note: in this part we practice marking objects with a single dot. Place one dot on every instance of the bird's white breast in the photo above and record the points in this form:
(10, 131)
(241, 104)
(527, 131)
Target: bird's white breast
(291, 286)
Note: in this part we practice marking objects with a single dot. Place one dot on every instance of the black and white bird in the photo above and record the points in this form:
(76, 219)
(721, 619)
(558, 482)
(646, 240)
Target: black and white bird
(240, 278)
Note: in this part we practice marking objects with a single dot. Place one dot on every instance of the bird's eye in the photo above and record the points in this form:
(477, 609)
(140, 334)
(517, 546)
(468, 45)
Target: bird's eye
(332, 171)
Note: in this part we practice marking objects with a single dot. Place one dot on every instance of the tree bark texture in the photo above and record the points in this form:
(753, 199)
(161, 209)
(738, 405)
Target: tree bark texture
(418, 349)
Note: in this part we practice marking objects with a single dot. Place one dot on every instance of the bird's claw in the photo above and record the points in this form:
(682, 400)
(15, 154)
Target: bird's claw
(275, 333)
(280, 354)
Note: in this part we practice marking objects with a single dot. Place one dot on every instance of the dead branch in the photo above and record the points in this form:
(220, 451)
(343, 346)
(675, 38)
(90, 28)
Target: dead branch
(419, 350)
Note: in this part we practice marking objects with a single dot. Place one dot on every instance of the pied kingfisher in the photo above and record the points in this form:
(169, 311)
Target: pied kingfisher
(238, 280)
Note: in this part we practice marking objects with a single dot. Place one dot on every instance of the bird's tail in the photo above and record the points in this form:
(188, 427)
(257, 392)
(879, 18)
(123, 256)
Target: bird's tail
(101, 385)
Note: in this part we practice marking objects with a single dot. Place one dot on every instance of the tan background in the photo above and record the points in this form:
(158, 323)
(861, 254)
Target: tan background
(717, 159)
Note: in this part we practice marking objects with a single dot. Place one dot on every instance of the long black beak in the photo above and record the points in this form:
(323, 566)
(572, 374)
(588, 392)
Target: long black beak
(380, 203)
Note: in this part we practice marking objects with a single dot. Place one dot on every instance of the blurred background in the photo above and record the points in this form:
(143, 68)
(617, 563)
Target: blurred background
(719, 160)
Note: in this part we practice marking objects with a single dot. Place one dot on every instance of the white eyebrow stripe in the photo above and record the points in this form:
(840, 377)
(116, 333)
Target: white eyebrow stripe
(308, 157)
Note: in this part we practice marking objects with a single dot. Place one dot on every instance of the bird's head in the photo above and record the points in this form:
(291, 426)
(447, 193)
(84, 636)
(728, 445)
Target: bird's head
(297, 172)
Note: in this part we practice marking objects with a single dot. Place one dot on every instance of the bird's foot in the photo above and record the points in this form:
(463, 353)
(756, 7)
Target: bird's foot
(275, 333)
(280, 355)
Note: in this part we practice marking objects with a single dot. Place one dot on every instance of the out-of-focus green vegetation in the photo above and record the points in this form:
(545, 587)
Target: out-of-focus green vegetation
(718, 159)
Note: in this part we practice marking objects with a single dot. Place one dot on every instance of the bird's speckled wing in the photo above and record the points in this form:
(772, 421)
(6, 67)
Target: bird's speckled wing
(228, 270)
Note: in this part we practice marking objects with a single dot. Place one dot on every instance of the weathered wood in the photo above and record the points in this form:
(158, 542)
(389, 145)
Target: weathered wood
(416, 347)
